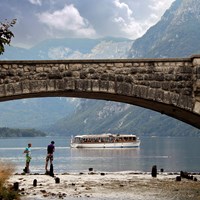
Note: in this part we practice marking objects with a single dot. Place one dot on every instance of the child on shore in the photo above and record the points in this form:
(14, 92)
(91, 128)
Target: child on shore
(27, 151)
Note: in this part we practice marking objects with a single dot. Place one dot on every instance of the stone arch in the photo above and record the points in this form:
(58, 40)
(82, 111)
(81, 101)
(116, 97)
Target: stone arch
(169, 86)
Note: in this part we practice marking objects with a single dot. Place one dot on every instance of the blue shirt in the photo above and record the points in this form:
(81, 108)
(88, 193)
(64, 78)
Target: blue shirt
(28, 151)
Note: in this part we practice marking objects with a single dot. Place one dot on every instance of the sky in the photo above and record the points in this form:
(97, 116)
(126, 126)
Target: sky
(38, 20)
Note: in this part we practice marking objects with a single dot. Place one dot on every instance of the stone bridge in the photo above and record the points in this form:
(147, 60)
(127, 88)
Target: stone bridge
(169, 86)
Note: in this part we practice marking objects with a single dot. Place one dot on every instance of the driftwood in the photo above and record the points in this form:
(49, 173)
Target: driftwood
(35, 182)
(16, 186)
(178, 178)
(154, 171)
(187, 176)
(57, 180)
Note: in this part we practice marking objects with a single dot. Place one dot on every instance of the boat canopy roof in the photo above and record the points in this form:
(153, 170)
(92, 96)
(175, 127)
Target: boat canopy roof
(104, 135)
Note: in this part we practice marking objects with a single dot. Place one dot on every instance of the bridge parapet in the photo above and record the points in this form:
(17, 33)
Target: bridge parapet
(196, 65)
(170, 86)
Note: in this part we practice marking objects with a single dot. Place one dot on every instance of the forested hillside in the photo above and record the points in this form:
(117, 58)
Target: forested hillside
(8, 132)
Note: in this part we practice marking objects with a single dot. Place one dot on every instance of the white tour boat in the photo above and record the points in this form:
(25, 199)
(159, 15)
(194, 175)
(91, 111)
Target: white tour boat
(106, 140)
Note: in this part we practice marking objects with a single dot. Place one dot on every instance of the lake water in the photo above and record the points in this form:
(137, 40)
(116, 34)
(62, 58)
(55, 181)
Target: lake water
(173, 154)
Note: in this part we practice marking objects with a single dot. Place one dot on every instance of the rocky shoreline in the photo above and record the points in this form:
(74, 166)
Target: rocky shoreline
(108, 185)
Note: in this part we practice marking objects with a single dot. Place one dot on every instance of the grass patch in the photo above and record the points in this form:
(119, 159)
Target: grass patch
(6, 191)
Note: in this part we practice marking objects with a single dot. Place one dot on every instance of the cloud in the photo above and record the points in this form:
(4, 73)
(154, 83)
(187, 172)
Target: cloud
(123, 6)
(131, 25)
(78, 18)
(160, 6)
(67, 19)
(126, 21)
(36, 2)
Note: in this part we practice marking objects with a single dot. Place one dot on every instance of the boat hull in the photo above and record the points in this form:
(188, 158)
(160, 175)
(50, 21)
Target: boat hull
(106, 145)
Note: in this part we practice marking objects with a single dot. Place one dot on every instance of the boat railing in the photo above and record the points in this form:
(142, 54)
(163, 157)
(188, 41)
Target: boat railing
(102, 140)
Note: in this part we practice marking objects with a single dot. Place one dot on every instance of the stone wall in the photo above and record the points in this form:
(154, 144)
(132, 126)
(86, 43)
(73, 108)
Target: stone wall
(158, 84)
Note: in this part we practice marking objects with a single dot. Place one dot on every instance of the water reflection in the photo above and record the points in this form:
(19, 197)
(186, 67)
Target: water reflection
(105, 159)
(98, 153)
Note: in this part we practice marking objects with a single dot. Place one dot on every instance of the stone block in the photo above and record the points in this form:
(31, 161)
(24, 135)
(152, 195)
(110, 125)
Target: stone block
(69, 84)
(128, 64)
(133, 70)
(151, 94)
(109, 65)
(197, 107)
(111, 88)
(144, 92)
(76, 74)
(55, 75)
(17, 88)
(9, 89)
(119, 65)
(166, 97)
(38, 86)
(39, 69)
(105, 77)
(180, 64)
(50, 85)
(196, 61)
(26, 87)
(103, 86)
(2, 91)
(95, 85)
(83, 75)
(82, 85)
(120, 78)
(127, 89)
(5, 67)
(136, 64)
(75, 67)
(62, 67)
(159, 96)
(59, 84)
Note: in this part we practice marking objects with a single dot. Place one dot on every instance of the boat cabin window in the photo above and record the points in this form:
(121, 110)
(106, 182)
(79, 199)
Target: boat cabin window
(105, 139)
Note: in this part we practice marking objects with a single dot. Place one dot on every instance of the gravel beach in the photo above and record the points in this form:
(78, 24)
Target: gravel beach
(103, 185)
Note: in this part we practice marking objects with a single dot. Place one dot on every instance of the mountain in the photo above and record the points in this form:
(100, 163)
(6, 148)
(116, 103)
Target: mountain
(175, 35)
(71, 48)
(36, 112)
(97, 116)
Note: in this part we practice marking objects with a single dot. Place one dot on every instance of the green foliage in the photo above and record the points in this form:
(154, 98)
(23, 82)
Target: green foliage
(5, 34)
(6, 191)
(8, 132)
(8, 194)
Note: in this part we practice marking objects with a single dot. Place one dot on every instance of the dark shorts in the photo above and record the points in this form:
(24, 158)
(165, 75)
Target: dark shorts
(49, 157)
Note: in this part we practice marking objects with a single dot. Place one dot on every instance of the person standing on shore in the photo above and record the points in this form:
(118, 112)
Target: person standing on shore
(27, 151)
(49, 157)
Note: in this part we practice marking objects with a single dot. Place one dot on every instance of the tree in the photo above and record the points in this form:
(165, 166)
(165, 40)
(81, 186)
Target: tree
(5, 34)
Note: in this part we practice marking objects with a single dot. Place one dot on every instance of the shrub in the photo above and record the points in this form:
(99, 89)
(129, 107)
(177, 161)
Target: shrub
(6, 191)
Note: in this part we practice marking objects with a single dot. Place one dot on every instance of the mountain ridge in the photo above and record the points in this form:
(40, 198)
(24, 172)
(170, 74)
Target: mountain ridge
(175, 35)
(71, 48)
